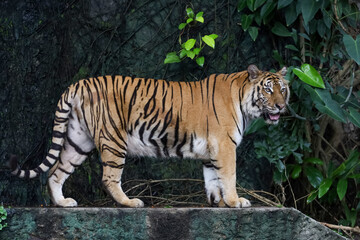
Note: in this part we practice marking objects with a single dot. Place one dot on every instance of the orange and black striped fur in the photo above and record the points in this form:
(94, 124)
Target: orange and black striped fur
(123, 116)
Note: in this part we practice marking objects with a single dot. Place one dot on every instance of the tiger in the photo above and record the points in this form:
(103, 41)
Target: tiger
(124, 116)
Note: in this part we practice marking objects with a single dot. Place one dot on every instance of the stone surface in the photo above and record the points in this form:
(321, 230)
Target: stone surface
(162, 223)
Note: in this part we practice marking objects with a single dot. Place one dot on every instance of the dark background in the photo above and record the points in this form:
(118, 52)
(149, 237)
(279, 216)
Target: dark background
(46, 45)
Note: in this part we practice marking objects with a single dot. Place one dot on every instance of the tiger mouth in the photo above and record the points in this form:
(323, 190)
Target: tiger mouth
(272, 116)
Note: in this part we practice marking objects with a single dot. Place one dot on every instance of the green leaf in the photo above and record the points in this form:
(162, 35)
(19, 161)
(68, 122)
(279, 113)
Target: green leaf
(197, 51)
(213, 36)
(355, 176)
(241, 5)
(246, 20)
(199, 19)
(189, 44)
(311, 197)
(280, 30)
(190, 13)
(309, 75)
(313, 160)
(280, 166)
(352, 161)
(258, 3)
(296, 172)
(200, 61)
(199, 14)
(172, 57)
(313, 175)
(266, 10)
(189, 20)
(298, 156)
(352, 47)
(290, 14)
(182, 53)
(253, 32)
(276, 55)
(341, 188)
(283, 3)
(324, 187)
(250, 4)
(309, 9)
(209, 41)
(182, 26)
(190, 54)
(333, 109)
(255, 126)
(339, 170)
(291, 47)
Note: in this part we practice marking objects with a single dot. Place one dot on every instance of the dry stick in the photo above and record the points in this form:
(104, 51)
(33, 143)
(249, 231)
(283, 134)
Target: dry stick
(337, 17)
(249, 192)
(302, 40)
(291, 190)
(322, 138)
(260, 198)
(352, 229)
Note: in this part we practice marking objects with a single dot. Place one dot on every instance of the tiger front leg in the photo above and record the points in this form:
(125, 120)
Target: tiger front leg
(112, 170)
(224, 162)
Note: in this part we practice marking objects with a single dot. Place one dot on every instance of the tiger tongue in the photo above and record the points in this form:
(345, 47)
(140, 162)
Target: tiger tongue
(274, 117)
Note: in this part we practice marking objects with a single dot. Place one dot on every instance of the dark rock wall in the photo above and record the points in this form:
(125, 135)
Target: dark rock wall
(46, 45)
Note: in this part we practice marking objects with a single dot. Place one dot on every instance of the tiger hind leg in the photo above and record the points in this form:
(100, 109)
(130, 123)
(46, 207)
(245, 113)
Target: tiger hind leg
(113, 164)
(70, 158)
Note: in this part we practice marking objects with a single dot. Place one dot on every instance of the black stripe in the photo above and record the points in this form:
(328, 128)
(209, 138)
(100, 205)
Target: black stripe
(237, 126)
(74, 165)
(210, 165)
(191, 92)
(58, 134)
(213, 102)
(178, 149)
(153, 120)
(113, 151)
(163, 102)
(191, 143)
(113, 164)
(164, 142)
(60, 110)
(232, 139)
(141, 132)
(55, 146)
(176, 138)
(167, 121)
(27, 173)
(202, 95)
(76, 147)
(63, 170)
(47, 163)
(52, 156)
(61, 119)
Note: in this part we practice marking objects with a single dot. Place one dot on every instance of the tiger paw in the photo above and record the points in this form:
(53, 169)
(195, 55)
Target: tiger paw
(238, 203)
(67, 202)
(213, 196)
(244, 202)
(135, 203)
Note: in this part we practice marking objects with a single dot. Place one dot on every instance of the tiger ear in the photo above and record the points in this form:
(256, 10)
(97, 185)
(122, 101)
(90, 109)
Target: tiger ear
(253, 72)
(283, 71)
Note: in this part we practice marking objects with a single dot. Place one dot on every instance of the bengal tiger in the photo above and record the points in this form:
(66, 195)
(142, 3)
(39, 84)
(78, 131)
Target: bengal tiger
(122, 116)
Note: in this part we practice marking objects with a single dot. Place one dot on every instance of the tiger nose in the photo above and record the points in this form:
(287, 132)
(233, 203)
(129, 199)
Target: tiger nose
(279, 106)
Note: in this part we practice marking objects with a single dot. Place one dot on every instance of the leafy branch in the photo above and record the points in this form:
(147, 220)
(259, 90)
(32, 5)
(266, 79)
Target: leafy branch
(193, 46)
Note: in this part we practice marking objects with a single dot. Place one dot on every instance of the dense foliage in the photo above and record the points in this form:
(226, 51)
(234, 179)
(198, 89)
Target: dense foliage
(315, 151)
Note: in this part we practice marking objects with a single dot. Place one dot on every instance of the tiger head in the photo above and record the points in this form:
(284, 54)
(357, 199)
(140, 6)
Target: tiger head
(268, 94)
